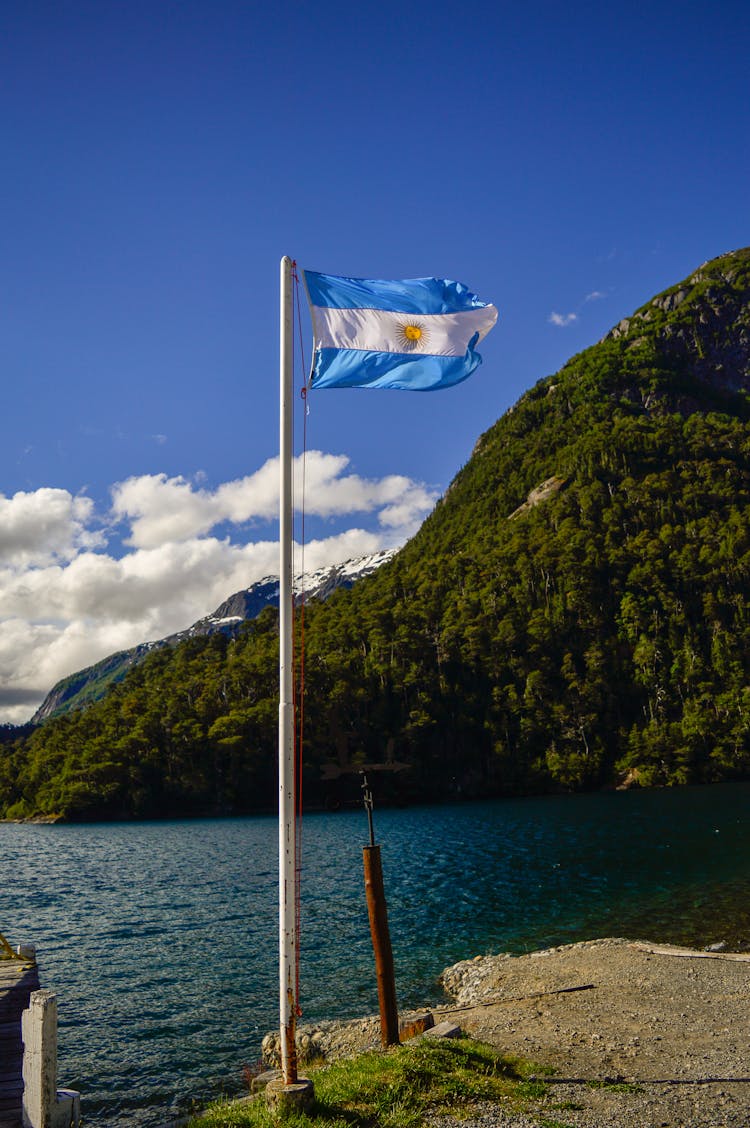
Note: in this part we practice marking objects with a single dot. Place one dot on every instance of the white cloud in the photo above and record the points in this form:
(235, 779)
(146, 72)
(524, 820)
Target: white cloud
(160, 509)
(562, 319)
(66, 601)
(45, 525)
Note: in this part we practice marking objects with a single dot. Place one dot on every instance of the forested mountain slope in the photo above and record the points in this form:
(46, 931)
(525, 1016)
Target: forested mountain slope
(573, 614)
(80, 689)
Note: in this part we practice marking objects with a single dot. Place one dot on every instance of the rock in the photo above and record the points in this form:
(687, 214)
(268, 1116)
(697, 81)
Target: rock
(271, 1049)
(670, 301)
(538, 494)
(308, 1042)
(444, 1029)
(620, 329)
(259, 1083)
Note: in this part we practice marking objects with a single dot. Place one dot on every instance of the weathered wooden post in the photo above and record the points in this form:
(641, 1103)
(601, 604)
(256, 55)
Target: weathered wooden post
(381, 939)
(44, 1105)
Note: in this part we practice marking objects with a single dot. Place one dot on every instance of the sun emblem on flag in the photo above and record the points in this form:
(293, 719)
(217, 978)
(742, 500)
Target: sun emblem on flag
(413, 336)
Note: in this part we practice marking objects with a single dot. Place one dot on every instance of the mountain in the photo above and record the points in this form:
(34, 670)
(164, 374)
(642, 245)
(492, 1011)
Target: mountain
(573, 614)
(78, 690)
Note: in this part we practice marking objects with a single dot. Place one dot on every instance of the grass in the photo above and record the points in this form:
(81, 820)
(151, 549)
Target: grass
(397, 1089)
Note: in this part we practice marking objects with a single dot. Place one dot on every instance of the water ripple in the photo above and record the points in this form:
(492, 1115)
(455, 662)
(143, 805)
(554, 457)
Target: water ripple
(160, 938)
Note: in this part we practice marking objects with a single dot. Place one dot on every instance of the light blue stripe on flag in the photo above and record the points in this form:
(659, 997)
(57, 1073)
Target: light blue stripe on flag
(356, 368)
(419, 334)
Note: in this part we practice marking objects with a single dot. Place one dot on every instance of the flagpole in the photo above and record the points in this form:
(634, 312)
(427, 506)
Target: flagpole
(287, 825)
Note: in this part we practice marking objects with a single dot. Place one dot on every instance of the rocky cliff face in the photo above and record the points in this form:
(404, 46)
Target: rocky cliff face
(711, 331)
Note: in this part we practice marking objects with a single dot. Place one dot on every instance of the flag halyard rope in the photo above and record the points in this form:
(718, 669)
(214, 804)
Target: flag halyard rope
(299, 682)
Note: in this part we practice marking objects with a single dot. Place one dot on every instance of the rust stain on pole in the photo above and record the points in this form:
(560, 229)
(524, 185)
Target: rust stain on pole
(381, 943)
(290, 1041)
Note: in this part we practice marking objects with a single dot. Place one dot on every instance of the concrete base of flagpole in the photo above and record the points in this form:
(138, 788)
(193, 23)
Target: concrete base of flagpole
(282, 1099)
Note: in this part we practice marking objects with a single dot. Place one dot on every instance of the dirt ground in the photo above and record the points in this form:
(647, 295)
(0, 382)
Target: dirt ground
(639, 1035)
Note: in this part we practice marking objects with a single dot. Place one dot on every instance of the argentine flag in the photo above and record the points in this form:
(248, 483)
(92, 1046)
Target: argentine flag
(419, 334)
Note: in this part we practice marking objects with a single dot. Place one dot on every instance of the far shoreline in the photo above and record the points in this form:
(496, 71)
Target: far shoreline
(356, 805)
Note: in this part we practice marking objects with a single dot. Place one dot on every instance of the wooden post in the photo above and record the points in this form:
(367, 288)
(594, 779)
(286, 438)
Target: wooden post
(44, 1105)
(381, 943)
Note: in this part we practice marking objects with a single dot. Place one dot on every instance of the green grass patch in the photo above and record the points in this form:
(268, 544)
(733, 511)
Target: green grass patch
(397, 1089)
(531, 1090)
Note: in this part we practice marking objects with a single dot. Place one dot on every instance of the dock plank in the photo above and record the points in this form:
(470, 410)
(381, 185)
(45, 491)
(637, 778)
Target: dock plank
(17, 981)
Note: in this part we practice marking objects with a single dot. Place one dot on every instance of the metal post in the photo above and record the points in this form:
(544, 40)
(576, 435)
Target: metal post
(287, 827)
(381, 944)
(381, 938)
(367, 797)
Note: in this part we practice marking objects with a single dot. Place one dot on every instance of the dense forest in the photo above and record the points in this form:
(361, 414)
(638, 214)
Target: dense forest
(574, 613)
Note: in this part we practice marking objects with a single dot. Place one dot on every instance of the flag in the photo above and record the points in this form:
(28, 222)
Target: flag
(418, 334)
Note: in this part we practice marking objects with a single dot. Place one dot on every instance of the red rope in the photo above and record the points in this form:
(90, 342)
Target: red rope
(299, 688)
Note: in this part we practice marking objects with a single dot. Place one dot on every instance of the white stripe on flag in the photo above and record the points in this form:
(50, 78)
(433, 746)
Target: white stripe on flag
(378, 330)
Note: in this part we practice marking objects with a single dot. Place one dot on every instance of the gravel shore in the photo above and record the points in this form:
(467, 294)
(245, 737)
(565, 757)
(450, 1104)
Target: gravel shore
(639, 1035)
(662, 1033)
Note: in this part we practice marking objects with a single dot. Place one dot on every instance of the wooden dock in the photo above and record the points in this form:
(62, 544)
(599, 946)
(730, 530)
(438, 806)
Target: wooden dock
(17, 980)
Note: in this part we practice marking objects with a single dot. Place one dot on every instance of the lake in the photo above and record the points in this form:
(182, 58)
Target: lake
(160, 938)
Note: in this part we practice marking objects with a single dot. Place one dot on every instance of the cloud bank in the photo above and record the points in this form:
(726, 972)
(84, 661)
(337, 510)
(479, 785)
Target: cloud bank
(77, 585)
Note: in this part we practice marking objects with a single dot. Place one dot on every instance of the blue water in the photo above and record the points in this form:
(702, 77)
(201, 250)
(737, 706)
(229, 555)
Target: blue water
(161, 938)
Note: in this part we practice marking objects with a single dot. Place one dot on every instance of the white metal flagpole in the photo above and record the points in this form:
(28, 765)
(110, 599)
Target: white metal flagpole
(287, 825)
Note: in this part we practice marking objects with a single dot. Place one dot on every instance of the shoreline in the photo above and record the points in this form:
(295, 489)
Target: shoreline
(639, 1035)
(355, 805)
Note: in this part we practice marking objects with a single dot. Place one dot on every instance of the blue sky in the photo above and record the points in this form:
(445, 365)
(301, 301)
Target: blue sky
(565, 161)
